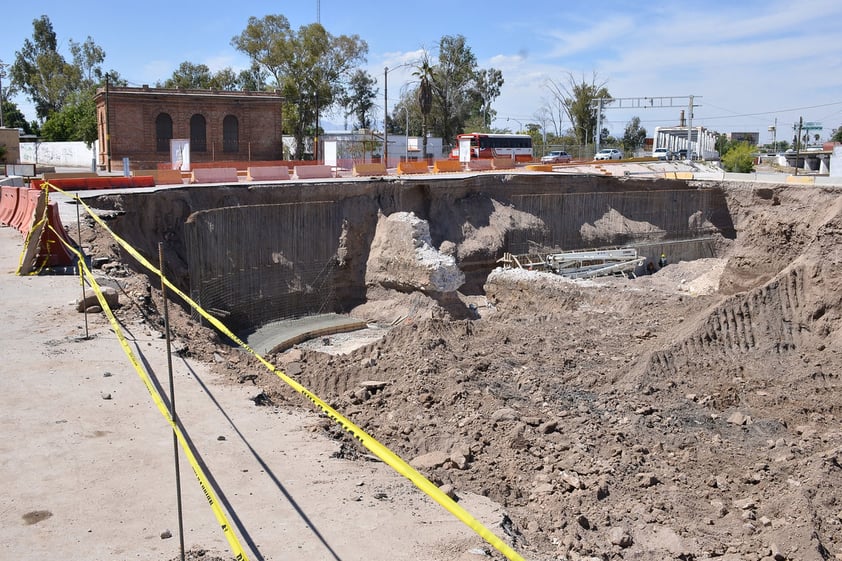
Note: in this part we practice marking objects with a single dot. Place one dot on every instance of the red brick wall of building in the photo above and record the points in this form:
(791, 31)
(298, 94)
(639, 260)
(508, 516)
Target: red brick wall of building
(131, 121)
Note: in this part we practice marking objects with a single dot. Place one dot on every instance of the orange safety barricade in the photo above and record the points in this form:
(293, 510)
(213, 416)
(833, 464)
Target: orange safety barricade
(26, 219)
(23, 204)
(8, 204)
(52, 252)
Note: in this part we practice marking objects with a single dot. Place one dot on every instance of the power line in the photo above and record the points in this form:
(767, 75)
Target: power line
(769, 112)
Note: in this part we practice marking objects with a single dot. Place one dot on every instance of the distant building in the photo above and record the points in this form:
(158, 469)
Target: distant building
(139, 123)
(752, 138)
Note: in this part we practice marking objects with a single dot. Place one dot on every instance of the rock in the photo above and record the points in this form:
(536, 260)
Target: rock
(448, 490)
(90, 301)
(460, 461)
(647, 479)
(583, 521)
(745, 504)
(106, 396)
(430, 460)
(548, 427)
(572, 479)
(738, 418)
(776, 553)
(402, 256)
(292, 355)
(620, 536)
(504, 414)
(293, 369)
(373, 386)
(166, 534)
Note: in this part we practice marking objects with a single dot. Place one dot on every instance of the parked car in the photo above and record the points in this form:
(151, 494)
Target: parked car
(662, 154)
(682, 155)
(556, 157)
(608, 154)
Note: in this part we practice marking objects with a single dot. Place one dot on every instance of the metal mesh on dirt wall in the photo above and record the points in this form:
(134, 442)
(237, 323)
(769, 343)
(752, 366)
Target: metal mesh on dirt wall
(250, 265)
(595, 219)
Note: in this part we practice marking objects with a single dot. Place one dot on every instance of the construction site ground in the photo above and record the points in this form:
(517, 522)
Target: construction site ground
(688, 414)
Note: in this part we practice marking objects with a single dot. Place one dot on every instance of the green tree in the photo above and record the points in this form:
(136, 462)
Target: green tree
(836, 136)
(88, 58)
(13, 118)
(359, 100)
(311, 67)
(576, 99)
(488, 84)
(188, 76)
(75, 121)
(252, 78)
(454, 78)
(225, 80)
(634, 135)
(739, 158)
(42, 73)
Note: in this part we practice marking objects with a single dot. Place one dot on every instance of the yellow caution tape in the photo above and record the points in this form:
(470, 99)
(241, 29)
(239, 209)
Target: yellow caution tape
(378, 449)
(233, 542)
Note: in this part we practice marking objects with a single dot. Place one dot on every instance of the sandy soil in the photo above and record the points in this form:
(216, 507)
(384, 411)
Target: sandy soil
(689, 414)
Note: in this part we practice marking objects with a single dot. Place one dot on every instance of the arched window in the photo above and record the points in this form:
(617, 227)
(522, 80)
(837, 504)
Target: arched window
(198, 134)
(163, 132)
(230, 134)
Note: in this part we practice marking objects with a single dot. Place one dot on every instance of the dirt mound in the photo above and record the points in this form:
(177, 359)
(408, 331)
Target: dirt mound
(689, 414)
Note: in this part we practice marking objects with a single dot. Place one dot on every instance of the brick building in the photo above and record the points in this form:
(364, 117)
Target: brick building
(220, 125)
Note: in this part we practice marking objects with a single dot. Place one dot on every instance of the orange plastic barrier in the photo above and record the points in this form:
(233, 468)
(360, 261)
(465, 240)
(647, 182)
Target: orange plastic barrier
(267, 173)
(447, 166)
(214, 175)
(51, 251)
(313, 172)
(502, 163)
(25, 218)
(413, 167)
(368, 169)
(479, 165)
(8, 203)
(99, 182)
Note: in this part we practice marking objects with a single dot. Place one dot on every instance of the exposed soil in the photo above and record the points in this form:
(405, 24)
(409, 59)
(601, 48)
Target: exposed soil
(688, 414)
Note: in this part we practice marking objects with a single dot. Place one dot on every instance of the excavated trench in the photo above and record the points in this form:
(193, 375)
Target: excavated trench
(257, 253)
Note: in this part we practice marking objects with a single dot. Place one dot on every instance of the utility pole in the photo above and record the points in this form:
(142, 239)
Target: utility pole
(798, 143)
(690, 130)
(386, 116)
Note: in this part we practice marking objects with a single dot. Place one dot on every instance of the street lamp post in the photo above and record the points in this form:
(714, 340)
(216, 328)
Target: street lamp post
(406, 132)
(386, 71)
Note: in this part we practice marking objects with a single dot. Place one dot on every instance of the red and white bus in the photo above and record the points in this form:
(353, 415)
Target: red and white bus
(487, 145)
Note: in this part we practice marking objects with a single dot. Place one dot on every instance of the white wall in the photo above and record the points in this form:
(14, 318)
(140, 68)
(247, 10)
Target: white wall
(69, 154)
(836, 162)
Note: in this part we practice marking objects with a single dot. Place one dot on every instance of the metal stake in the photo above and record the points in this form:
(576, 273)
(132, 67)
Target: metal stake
(81, 275)
(172, 400)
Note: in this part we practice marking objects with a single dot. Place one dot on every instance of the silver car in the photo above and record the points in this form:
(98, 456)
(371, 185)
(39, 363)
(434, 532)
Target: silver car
(556, 157)
(608, 154)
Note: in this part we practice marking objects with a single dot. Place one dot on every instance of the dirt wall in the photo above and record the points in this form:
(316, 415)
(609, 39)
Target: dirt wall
(477, 217)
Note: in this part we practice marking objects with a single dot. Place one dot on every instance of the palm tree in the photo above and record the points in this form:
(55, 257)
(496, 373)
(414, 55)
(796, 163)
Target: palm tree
(424, 72)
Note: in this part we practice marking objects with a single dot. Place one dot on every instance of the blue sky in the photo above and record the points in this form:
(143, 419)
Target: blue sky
(747, 62)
